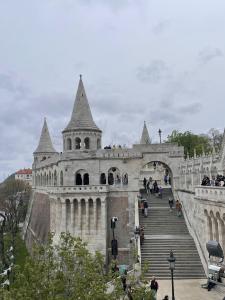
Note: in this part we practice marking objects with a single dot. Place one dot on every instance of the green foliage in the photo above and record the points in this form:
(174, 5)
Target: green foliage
(191, 142)
(67, 270)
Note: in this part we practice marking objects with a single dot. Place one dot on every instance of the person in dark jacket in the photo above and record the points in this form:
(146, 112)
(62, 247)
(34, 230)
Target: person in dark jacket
(154, 286)
(146, 208)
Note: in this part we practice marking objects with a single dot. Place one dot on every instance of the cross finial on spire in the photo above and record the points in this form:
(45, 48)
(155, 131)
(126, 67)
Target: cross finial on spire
(80, 76)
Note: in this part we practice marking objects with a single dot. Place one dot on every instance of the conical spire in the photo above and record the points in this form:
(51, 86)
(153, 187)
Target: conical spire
(45, 142)
(145, 139)
(81, 116)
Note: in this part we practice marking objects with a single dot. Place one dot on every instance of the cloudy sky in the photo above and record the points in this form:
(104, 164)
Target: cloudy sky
(154, 60)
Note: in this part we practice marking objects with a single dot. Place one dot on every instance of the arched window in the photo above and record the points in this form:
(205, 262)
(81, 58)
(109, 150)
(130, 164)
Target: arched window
(86, 179)
(61, 178)
(78, 179)
(114, 176)
(110, 179)
(69, 144)
(49, 179)
(98, 144)
(87, 143)
(102, 178)
(77, 143)
(125, 179)
(55, 178)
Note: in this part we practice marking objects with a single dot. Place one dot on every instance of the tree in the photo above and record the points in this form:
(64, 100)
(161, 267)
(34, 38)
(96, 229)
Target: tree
(191, 142)
(215, 138)
(66, 271)
(14, 197)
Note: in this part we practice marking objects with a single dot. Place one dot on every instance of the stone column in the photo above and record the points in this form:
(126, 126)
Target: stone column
(79, 216)
(72, 217)
(103, 215)
(221, 231)
(94, 214)
(63, 215)
(87, 221)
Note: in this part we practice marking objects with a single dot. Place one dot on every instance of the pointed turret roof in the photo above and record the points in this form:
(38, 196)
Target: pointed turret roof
(145, 139)
(81, 118)
(45, 142)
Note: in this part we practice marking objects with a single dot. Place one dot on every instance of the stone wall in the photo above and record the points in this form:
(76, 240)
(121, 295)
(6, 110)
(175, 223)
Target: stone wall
(39, 220)
(205, 217)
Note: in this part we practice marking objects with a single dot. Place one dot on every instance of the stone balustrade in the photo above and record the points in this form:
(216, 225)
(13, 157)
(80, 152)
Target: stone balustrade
(212, 193)
(74, 189)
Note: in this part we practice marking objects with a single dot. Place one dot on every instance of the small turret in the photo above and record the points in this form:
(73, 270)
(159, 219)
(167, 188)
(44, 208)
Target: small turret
(45, 148)
(145, 139)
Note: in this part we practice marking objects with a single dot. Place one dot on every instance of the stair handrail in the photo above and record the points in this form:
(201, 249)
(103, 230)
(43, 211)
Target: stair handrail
(194, 233)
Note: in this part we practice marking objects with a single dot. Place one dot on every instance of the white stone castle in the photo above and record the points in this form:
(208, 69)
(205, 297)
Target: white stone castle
(81, 188)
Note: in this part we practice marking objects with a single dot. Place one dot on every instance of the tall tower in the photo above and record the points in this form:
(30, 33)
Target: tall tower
(81, 133)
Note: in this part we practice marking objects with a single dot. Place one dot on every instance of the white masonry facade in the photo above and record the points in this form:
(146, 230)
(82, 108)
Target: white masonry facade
(81, 188)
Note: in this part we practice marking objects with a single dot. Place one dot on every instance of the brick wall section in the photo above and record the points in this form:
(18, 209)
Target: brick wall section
(118, 207)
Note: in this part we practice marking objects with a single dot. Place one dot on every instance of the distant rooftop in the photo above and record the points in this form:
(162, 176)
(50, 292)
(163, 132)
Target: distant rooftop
(24, 172)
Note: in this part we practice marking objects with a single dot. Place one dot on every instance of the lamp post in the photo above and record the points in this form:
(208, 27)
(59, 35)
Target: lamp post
(160, 135)
(114, 244)
(171, 261)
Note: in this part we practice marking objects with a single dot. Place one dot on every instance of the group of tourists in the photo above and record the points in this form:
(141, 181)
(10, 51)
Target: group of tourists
(151, 186)
(219, 180)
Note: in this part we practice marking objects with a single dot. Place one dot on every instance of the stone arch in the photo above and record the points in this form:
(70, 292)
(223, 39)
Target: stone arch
(114, 176)
(77, 143)
(159, 171)
(55, 178)
(98, 214)
(68, 214)
(61, 178)
(50, 178)
(68, 144)
(102, 178)
(83, 214)
(87, 143)
(221, 230)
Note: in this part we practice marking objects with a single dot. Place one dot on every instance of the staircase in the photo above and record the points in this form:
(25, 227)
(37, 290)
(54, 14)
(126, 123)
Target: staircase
(165, 231)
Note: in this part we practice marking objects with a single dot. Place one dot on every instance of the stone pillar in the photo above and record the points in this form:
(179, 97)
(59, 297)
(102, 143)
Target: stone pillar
(94, 214)
(72, 217)
(221, 231)
(63, 215)
(87, 221)
(103, 215)
(79, 216)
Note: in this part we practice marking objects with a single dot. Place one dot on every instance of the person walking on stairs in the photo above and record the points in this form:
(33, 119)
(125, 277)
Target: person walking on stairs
(146, 208)
(170, 203)
(154, 287)
(144, 183)
(178, 208)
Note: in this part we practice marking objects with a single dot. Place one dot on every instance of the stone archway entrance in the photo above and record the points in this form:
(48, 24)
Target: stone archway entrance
(156, 171)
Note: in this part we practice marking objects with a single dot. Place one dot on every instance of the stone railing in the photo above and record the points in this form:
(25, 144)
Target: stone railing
(212, 193)
(74, 189)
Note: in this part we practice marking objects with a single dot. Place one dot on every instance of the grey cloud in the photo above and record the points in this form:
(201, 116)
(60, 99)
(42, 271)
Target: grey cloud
(160, 27)
(163, 116)
(208, 54)
(10, 84)
(191, 108)
(154, 72)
